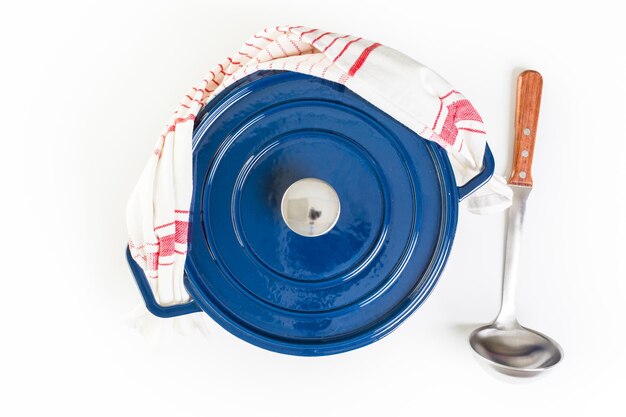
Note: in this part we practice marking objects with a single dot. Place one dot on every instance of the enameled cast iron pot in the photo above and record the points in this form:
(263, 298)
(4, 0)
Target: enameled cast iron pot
(277, 289)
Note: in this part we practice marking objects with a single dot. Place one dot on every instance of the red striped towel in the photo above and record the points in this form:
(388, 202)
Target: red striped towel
(158, 210)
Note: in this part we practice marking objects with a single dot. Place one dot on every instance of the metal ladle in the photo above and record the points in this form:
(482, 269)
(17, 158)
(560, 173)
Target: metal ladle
(506, 345)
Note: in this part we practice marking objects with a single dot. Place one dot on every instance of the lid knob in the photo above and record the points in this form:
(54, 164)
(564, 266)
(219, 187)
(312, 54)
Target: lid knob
(310, 207)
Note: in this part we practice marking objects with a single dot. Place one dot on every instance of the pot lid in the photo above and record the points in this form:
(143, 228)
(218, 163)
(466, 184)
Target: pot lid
(318, 222)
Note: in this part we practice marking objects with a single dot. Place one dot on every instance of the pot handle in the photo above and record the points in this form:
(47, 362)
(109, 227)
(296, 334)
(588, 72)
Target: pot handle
(148, 297)
(479, 180)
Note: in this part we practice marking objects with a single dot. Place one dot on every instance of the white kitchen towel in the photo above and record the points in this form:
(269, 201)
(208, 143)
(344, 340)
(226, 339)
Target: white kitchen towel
(158, 210)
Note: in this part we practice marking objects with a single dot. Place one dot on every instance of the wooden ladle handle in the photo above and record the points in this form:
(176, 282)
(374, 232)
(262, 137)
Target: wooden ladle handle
(529, 85)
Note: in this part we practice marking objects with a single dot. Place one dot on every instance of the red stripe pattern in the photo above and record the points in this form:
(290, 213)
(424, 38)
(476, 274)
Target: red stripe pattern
(361, 59)
(455, 114)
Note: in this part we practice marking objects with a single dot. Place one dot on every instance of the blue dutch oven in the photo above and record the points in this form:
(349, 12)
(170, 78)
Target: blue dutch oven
(393, 204)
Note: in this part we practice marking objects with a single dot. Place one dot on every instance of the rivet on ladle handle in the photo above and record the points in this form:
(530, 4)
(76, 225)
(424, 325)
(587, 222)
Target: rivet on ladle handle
(529, 85)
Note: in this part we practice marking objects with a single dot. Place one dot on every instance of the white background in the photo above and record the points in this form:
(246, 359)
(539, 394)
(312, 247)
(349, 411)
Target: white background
(85, 89)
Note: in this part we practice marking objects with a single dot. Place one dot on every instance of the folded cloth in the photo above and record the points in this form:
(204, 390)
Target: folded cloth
(158, 209)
